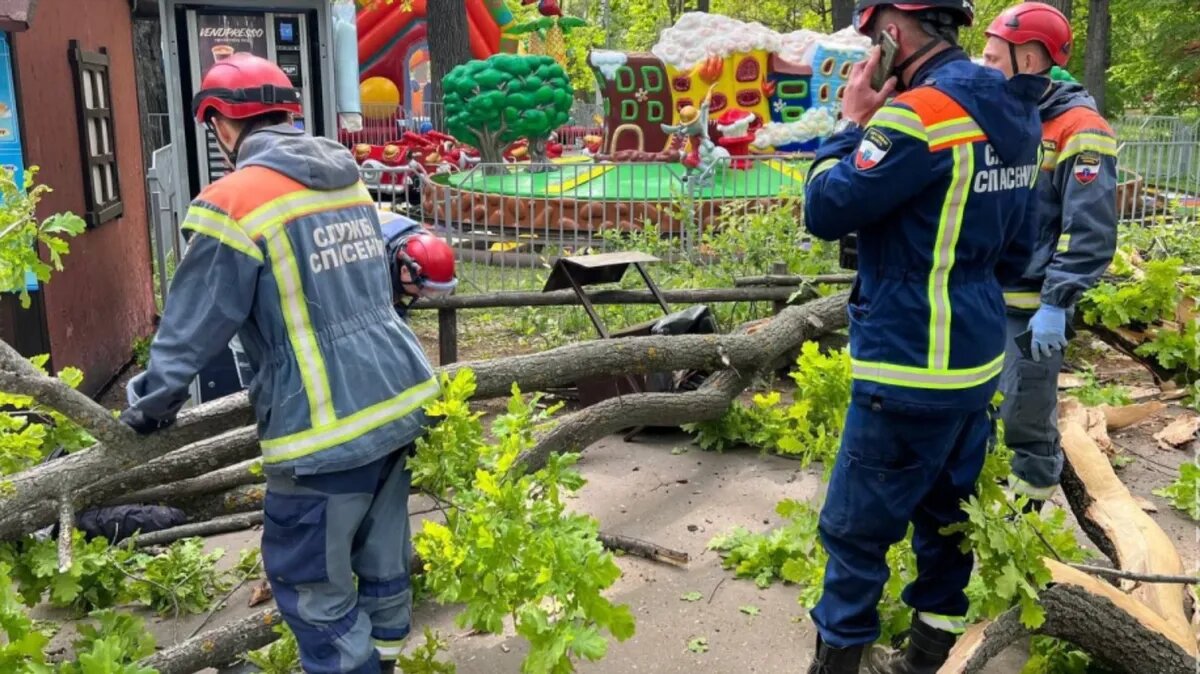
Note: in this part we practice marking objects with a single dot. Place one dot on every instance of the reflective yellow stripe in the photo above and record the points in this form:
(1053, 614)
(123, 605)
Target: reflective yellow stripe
(949, 227)
(946, 623)
(1083, 142)
(276, 213)
(1049, 160)
(294, 305)
(222, 228)
(1064, 242)
(923, 377)
(1023, 300)
(822, 167)
(389, 650)
(344, 430)
(946, 133)
(899, 119)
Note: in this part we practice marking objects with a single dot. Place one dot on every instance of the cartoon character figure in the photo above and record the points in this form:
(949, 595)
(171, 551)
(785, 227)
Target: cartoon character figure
(592, 145)
(736, 136)
(703, 156)
(545, 7)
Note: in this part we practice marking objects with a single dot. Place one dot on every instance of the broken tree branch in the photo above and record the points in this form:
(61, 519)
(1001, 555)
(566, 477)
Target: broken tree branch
(220, 525)
(243, 499)
(793, 326)
(223, 479)
(1130, 575)
(217, 647)
(644, 549)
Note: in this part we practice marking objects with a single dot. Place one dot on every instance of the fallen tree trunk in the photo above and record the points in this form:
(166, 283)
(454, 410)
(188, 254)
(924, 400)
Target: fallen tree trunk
(217, 647)
(105, 472)
(1115, 522)
(577, 430)
(223, 479)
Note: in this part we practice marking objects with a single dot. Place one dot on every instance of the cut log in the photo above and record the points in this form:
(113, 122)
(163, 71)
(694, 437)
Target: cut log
(1090, 418)
(223, 479)
(984, 641)
(217, 647)
(1113, 626)
(1096, 617)
(1114, 521)
(220, 525)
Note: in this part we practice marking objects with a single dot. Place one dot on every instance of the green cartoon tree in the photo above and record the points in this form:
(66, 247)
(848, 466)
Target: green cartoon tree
(505, 98)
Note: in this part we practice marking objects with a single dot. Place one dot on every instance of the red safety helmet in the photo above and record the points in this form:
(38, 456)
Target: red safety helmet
(864, 10)
(242, 86)
(1035, 22)
(430, 263)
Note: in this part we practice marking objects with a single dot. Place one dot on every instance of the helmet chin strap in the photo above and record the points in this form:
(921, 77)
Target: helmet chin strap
(899, 68)
(242, 135)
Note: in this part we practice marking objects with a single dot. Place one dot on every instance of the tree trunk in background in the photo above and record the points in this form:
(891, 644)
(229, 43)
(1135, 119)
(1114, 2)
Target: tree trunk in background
(1063, 6)
(702, 6)
(152, 86)
(1099, 49)
(843, 13)
(446, 22)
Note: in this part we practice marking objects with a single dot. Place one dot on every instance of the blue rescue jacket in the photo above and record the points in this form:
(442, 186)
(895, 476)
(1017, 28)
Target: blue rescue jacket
(287, 255)
(1077, 220)
(940, 187)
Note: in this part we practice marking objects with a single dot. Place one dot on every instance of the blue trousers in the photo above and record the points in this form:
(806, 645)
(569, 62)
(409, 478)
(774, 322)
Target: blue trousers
(893, 469)
(1030, 413)
(321, 533)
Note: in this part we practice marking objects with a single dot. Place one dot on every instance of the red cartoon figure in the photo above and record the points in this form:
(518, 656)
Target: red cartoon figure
(736, 136)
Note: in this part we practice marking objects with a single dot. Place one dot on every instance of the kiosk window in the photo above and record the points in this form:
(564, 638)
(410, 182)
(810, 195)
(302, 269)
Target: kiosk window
(93, 104)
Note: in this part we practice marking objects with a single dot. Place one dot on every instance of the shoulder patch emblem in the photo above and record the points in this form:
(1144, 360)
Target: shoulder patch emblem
(1087, 167)
(1049, 145)
(872, 149)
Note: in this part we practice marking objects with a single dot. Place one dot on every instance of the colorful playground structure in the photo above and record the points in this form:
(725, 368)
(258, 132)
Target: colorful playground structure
(719, 111)
(393, 55)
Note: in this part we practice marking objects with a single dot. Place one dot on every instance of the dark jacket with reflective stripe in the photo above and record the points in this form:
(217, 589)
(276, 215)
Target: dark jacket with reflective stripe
(940, 188)
(1077, 218)
(287, 254)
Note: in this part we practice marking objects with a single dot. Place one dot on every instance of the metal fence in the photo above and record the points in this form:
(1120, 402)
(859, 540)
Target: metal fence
(508, 223)
(1158, 163)
(386, 124)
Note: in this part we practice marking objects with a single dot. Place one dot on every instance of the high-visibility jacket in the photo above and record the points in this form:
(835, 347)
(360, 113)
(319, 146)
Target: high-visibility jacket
(1077, 219)
(286, 253)
(939, 186)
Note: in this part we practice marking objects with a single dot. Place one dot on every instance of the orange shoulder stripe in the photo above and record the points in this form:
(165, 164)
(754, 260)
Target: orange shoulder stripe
(241, 192)
(931, 105)
(1061, 128)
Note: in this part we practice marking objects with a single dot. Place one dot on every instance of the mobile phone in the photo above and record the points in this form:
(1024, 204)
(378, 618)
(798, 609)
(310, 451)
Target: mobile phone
(887, 57)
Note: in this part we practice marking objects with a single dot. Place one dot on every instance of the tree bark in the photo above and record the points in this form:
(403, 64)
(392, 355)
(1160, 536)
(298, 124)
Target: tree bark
(446, 23)
(1098, 52)
(220, 525)
(247, 498)
(217, 647)
(226, 478)
(842, 12)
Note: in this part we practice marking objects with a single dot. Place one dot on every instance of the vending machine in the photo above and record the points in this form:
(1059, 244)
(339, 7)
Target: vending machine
(296, 34)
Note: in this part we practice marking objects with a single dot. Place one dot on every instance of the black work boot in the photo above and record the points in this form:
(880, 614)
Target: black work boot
(830, 660)
(928, 648)
(1033, 506)
(387, 667)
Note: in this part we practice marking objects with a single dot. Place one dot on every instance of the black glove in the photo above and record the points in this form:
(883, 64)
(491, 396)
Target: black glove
(143, 424)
